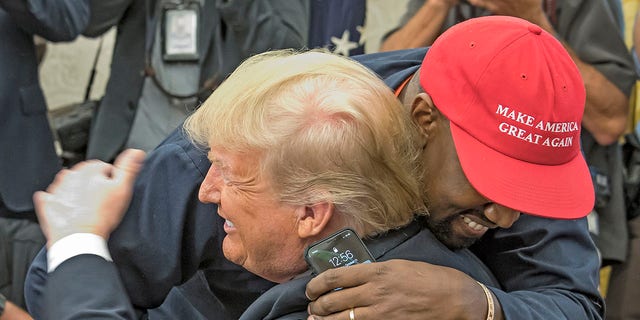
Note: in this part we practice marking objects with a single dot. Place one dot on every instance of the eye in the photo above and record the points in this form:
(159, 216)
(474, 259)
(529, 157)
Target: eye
(228, 182)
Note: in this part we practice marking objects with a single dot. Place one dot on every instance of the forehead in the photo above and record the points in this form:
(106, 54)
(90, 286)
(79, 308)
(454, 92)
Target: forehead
(235, 163)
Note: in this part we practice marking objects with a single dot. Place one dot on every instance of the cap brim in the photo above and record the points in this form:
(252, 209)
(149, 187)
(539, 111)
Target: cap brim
(560, 191)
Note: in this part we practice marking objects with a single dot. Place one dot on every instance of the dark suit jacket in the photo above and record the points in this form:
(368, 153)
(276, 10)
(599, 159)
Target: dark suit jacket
(86, 287)
(29, 162)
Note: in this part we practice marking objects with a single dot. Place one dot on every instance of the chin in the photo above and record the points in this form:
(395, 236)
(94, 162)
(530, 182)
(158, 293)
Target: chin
(444, 233)
(233, 253)
(458, 243)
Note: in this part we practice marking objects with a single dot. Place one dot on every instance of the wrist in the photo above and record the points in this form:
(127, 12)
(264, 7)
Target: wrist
(491, 308)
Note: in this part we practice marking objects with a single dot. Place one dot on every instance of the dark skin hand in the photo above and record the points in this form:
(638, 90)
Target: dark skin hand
(380, 293)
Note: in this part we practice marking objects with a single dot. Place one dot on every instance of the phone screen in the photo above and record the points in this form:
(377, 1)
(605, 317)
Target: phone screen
(343, 248)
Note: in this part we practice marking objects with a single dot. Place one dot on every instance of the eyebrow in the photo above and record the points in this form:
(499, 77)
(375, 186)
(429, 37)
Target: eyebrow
(227, 173)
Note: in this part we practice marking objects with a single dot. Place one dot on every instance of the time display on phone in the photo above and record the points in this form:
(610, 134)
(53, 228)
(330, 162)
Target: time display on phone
(342, 258)
(343, 248)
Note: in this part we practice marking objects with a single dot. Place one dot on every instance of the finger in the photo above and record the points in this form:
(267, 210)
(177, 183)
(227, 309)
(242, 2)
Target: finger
(358, 314)
(60, 176)
(343, 299)
(91, 169)
(127, 166)
(82, 164)
(40, 201)
(339, 278)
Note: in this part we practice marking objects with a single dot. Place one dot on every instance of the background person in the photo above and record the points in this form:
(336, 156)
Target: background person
(143, 101)
(29, 161)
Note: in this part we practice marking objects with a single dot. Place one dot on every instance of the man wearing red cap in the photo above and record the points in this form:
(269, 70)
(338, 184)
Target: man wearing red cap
(500, 118)
(591, 32)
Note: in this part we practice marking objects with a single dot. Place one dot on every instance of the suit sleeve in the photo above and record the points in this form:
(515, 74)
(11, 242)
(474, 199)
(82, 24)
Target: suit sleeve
(549, 269)
(104, 15)
(54, 20)
(166, 234)
(86, 287)
(262, 25)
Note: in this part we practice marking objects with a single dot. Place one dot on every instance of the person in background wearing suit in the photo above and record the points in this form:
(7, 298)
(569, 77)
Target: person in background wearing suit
(169, 55)
(29, 160)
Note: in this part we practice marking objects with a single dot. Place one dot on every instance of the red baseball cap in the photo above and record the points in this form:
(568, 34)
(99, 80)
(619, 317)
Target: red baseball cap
(515, 99)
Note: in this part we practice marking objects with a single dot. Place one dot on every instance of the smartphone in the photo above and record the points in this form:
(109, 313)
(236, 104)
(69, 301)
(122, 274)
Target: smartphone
(343, 248)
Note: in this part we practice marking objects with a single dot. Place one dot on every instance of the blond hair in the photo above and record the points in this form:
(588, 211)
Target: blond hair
(326, 129)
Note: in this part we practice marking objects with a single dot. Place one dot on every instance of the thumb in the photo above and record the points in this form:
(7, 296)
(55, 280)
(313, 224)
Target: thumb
(127, 165)
(40, 199)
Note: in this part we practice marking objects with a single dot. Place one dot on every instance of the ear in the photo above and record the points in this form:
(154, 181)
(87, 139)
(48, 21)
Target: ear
(424, 114)
(313, 219)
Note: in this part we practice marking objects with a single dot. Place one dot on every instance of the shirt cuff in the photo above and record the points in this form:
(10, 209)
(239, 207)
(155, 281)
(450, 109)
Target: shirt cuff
(75, 245)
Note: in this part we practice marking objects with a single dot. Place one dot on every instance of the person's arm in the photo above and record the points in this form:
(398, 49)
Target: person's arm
(86, 287)
(262, 25)
(593, 41)
(104, 15)
(549, 269)
(636, 32)
(12, 312)
(422, 28)
(77, 213)
(52, 20)
(167, 233)
(398, 289)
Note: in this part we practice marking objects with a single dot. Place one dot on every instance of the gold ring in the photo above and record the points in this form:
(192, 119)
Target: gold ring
(352, 314)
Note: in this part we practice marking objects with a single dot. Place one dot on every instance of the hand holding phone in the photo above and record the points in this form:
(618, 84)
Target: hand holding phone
(343, 248)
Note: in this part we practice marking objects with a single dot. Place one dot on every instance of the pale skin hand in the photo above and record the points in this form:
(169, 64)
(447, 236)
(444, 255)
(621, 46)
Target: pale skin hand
(91, 197)
(422, 29)
(397, 289)
(606, 108)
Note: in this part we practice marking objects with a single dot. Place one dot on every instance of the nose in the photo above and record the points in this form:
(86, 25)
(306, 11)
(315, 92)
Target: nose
(210, 188)
(502, 216)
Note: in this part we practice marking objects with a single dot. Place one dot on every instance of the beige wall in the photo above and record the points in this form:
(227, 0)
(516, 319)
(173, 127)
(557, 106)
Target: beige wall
(66, 67)
(382, 16)
(65, 70)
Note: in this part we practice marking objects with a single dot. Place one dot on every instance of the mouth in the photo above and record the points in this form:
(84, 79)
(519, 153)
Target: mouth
(228, 224)
(473, 226)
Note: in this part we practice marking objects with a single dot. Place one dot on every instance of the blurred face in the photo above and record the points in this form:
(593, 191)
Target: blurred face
(261, 231)
(459, 215)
